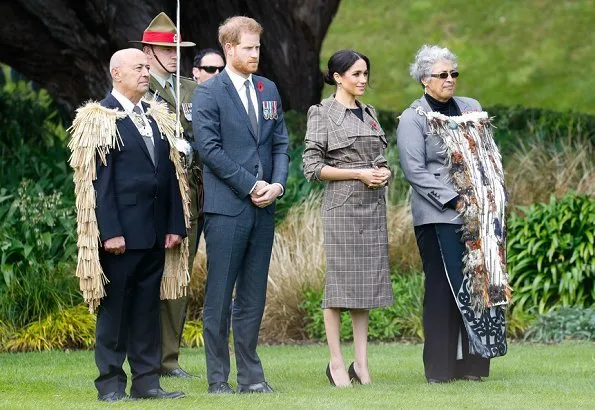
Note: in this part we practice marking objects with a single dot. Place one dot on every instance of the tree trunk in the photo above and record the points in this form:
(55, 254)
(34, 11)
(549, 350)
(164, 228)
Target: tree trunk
(65, 45)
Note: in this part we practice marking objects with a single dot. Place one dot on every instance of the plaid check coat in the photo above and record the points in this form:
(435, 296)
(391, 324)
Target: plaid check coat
(353, 216)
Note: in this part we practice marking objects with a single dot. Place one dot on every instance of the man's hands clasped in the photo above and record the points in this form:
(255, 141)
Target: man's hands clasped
(265, 194)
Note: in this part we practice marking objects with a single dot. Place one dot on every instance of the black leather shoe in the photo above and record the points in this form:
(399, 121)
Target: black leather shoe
(112, 397)
(437, 381)
(180, 373)
(157, 393)
(329, 375)
(471, 378)
(220, 388)
(353, 375)
(262, 387)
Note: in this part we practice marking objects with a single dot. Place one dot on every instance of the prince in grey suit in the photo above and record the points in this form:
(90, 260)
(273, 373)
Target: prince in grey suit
(241, 137)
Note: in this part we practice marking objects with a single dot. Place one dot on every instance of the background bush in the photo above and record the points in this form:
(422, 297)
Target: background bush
(37, 255)
(72, 328)
(551, 254)
(563, 323)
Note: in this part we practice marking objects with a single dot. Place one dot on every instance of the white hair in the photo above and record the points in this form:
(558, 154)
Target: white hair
(426, 57)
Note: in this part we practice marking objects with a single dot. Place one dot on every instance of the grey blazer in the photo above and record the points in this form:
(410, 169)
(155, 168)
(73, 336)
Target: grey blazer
(424, 164)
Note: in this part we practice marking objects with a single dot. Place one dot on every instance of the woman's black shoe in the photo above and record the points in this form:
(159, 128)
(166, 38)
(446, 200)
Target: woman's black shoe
(353, 375)
(437, 381)
(329, 375)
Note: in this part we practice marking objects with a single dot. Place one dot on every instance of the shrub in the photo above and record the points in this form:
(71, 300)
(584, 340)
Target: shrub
(32, 138)
(551, 254)
(193, 334)
(563, 323)
(537, 169)
(37, 255)
(401, 320)
(72, 328)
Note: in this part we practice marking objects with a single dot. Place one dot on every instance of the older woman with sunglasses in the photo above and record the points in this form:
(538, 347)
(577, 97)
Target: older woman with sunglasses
(451, 340)
(208, 62)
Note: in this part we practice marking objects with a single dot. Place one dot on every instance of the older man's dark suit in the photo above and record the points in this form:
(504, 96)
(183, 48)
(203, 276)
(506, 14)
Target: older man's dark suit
(140, 201)
(238, 235)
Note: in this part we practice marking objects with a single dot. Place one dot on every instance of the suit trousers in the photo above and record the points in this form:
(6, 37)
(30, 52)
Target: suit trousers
(128, 320)
(238, 254)
(441, 248)
(173, 311)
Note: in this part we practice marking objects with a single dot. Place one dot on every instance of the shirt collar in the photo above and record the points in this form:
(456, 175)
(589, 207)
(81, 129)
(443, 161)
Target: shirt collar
(125, 102)
(237, 80)
(162, 81)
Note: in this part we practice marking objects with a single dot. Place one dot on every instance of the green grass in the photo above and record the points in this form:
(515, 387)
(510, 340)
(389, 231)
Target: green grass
(530, 376)
(532, 52)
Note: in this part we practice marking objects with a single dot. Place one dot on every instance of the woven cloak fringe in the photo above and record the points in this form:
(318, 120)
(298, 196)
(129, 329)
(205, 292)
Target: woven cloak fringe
(93, 135)
(475, 169)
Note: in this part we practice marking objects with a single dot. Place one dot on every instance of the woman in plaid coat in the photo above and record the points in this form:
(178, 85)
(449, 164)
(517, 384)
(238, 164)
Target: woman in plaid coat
(344, 146)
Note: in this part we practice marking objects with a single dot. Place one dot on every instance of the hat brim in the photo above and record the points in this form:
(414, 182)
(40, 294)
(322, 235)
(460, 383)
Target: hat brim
(158, 43)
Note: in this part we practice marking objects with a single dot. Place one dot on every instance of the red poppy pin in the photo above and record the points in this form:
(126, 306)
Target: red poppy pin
(260, 86)
(374, 125)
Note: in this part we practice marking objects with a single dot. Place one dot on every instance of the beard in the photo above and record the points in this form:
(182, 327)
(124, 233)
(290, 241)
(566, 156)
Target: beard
(244, 67)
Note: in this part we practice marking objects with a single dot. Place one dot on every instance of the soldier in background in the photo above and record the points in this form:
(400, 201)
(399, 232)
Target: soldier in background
(159, 45)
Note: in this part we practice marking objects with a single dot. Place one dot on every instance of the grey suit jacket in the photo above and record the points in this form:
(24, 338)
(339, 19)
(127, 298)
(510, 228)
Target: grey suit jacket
(231, 152)
(424, 164)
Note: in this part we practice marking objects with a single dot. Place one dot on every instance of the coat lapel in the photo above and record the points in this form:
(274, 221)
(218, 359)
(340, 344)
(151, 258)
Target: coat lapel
(161, 93)
(258, 108)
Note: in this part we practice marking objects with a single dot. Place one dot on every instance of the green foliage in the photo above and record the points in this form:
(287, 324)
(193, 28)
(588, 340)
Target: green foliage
(192, 335)
(37, 254)
(401, 320)
(72, 328)
(551, 253)
(32, 138)
(563, 323)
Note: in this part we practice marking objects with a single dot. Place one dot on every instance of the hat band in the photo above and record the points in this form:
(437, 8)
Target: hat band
(160, 36)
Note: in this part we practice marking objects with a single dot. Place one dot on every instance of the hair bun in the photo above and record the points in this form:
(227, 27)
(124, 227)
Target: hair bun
(329, 79)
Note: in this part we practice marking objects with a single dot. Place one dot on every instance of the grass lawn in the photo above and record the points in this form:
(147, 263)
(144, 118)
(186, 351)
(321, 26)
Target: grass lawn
(530, 376)
(536, 53)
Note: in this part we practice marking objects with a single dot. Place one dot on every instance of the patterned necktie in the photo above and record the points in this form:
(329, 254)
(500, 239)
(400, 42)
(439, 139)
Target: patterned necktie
(251, 110)
(148, 140)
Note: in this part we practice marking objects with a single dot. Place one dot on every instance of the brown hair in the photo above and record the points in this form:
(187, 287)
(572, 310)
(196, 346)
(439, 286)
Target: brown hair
(232, 28)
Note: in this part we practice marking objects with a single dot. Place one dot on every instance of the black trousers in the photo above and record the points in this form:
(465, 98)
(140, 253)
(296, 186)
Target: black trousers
(238, 254)
(441, 248)
(128, 321)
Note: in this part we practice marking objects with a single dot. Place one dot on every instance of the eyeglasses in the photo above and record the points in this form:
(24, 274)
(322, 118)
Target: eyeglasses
(211, 68)
(444, 75)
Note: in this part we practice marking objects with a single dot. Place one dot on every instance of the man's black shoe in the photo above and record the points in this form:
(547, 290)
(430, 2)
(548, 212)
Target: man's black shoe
(437, 381)
(262, 387)
(220, 388)
(157, 393)
(180, 373)
(112, 397)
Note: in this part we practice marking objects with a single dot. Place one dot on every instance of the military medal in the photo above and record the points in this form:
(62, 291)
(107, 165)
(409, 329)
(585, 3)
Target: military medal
(269, 110)
(187, 110)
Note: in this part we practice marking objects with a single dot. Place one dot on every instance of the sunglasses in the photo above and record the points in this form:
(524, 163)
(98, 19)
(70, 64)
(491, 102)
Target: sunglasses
(444, 75)
(211, 68)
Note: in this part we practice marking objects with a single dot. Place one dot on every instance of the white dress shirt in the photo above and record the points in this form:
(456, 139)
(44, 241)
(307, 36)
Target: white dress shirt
(146, 130)
(239, 83)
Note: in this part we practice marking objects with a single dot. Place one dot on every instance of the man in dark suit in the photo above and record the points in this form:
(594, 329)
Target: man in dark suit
(139, 214)
(242, 140)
